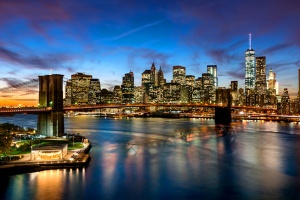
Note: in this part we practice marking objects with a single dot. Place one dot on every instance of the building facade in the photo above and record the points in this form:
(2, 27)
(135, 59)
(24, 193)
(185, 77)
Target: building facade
(128, 88)
(179, 75)
(212, 69)
(260, 73)
(249, 67)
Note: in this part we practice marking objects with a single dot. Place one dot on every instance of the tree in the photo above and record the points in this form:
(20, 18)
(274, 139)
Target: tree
(5, 143)
(6, 138)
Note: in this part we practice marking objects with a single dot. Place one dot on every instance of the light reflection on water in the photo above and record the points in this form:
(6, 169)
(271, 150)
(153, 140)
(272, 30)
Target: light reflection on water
(152, 158)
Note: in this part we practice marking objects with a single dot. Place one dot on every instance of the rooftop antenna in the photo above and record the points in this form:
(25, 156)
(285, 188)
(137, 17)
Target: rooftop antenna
(250, 41)
(50, 71)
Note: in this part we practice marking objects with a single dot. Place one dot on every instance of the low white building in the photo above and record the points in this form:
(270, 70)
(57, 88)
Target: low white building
(49, 152)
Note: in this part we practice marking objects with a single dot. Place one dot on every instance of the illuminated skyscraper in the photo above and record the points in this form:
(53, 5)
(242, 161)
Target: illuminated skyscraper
(153, 76)
(190, 80)
(249, 67)
(128, 88)
(179, 75)
(146, 77)
(80, 86)
(234, 86)
(160, 77)
(261, 82)
(208, 87)
(94, 90)
(271, 80)
(212, 69)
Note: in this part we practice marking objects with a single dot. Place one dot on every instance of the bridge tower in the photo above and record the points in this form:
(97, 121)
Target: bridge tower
(51, 96)
(223, 114)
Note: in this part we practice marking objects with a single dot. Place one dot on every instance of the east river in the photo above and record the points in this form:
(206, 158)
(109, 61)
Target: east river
(160, 158)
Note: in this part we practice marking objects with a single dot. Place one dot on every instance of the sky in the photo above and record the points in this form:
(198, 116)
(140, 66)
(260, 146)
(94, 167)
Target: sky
(107, 39)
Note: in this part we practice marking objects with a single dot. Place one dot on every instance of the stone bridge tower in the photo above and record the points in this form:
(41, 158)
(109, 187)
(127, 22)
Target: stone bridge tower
(51, 123)
(223, 113)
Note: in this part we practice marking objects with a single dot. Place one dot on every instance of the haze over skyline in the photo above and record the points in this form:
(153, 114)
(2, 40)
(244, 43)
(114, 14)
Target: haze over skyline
(108, 39)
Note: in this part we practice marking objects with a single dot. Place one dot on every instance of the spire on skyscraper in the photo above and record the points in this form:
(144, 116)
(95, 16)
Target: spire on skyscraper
(250, 41)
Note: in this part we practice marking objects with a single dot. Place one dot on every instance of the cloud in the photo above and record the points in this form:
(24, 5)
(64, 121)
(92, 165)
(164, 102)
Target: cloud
(11, 82)
(35, 12)
(275, 48)
(222, 56)
(15, 84)
(43, 61)
(283, 66)
(237, 74)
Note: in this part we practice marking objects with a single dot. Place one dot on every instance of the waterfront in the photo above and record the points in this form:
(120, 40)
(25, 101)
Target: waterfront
(155, 158)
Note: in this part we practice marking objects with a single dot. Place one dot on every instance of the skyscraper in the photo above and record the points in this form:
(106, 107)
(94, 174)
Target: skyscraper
(190, 80)
(80, 86)
(179, 75)
(208, 87)
(272, 80)
(249, 67)
(234, 86)
(128, 88)
(153, 76)
(160, 77)
(146, 77)
(261, 83)
(94, 89)
(212, 69)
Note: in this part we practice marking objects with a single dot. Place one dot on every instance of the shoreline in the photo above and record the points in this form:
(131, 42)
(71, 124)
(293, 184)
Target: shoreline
(20, 167)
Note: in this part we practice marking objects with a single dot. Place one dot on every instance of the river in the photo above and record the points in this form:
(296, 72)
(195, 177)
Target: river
(160, 158)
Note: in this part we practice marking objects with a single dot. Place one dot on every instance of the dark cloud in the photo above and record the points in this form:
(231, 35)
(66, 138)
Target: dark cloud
(222, 56)
(37, 11)
(11, 82)
(237, 74)
(275, 48)
(44, 61)
(217, 22)
(30, 93)
(283, 66)
(19, 87)
(6, 96)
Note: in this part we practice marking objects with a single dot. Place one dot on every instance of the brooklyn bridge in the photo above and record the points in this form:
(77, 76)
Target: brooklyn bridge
(50, 108)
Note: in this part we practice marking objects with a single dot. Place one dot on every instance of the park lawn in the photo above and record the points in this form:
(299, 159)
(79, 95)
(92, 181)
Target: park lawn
(77, 145)
(71, 146)
(18, 151)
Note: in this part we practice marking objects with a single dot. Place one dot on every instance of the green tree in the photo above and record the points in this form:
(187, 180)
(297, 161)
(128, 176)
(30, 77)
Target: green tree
(5, 143)
(6, 137)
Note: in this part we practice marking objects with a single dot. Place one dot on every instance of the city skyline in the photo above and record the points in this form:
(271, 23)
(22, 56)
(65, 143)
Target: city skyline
(109, 39)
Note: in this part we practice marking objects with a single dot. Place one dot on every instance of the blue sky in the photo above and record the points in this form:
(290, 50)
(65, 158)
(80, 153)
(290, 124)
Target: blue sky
(109, 38)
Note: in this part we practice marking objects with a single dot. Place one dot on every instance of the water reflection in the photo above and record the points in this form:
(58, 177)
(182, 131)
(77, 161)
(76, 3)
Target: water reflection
(174, 158)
